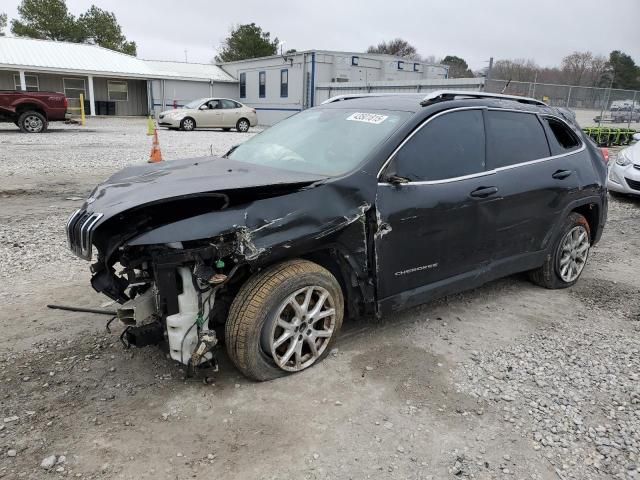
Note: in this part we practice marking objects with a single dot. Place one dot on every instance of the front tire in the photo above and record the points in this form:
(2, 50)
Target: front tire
(566, 261)
(32, 122)
(284, 320)
(187, 124)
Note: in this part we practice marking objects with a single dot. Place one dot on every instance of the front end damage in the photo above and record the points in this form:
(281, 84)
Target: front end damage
(174, 258)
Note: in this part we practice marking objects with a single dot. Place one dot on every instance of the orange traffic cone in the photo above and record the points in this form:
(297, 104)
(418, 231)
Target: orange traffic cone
(156, 154)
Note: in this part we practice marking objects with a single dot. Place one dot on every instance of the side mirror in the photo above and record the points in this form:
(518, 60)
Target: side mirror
(204, 107)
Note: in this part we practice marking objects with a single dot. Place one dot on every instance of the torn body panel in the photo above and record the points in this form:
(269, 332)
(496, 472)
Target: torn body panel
(166, 234)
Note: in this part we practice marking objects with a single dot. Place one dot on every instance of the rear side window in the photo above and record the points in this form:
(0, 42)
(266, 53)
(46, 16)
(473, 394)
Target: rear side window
(227, 104)
(449, 146)
(514, 137)
(564, 138)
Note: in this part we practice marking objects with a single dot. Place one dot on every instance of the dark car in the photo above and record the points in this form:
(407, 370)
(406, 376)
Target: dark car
(357, 207)
(32, 111)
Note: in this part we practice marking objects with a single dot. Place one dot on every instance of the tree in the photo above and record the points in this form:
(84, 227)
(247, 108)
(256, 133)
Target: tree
(247, 41)
(101, 27)
(397, 47)
(576, 66)
(46, 19)
(599, 65)
(430, 59)
(51, 20)
(458, 68)
(626, 74)
(3, 23)
(518, 70)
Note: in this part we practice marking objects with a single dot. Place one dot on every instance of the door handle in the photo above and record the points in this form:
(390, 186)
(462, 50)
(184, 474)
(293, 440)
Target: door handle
(483, 192)
(561, 174)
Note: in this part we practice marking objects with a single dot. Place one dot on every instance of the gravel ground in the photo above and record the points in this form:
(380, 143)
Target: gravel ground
(505, 381)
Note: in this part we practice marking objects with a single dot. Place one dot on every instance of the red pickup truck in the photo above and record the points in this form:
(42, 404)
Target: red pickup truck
(32, 111)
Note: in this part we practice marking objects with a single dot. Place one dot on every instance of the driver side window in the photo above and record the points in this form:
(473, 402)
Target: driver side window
(449, 146)
(212, 104)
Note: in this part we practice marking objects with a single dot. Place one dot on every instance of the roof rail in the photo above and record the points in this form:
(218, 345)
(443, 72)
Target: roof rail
(443, 95)
(352, 96)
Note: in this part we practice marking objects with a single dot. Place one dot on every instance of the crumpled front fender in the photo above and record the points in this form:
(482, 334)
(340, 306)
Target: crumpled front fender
(307, 215)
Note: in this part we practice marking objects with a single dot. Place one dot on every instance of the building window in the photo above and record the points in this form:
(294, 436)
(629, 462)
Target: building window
(262, 84)
(243, 85)
(416, 67)
(400, 65)
(73, 87)
(355, 61)
(31, 82)
(118, 90)
(284, 82)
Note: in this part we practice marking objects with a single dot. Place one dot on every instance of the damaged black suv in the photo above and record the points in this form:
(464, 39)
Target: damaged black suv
(361, 206)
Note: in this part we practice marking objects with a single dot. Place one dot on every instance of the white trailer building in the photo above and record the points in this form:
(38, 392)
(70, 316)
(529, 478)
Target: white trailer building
(281, 85)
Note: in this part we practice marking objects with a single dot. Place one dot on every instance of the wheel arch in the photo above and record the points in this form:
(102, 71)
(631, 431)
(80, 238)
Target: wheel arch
(589, 207)
(336, 261)
(591, 212)
(30, 107)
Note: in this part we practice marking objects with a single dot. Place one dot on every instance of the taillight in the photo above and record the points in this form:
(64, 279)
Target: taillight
(253, 110)
(605, 154)
(66, 103)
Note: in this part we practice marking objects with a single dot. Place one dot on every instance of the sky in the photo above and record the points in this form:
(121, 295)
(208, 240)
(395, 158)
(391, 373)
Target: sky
(543, 30)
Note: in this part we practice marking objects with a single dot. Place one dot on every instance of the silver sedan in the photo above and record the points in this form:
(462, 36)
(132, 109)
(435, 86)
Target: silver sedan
(210, 113)
(624, 173)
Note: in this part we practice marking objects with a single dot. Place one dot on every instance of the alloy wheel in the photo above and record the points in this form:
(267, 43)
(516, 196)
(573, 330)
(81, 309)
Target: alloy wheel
(243, 126)
(304, 324)
(574, 250)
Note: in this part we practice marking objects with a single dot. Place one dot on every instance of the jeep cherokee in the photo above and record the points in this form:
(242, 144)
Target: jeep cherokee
(361, 206)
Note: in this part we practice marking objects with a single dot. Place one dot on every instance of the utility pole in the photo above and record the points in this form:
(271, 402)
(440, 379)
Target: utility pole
(185, 56)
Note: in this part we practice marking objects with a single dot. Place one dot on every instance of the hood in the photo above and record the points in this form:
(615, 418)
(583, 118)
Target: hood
(175, 111)
(154, 183)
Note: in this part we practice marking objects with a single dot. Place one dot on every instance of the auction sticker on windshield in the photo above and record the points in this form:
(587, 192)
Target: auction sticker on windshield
(374, 118)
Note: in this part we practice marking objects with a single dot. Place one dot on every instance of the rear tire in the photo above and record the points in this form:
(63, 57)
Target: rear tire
(243, 125)
(32, 122)
(187, 124)
(568, 256)
(263, 325)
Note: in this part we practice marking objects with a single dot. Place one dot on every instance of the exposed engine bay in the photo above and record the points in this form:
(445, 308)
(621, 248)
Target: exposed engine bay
(174, 242)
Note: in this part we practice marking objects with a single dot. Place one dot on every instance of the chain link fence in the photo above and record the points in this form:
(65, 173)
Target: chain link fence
(593, 106)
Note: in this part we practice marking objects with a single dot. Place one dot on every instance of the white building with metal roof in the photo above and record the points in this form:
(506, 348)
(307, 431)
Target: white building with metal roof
(112, 83)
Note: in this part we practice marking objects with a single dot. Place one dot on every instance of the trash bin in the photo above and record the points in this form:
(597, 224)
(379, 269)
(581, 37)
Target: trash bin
(101, 107)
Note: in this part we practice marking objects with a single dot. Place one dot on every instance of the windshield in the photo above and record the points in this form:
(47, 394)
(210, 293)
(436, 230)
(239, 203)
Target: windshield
(194, 103)
(323, 141)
